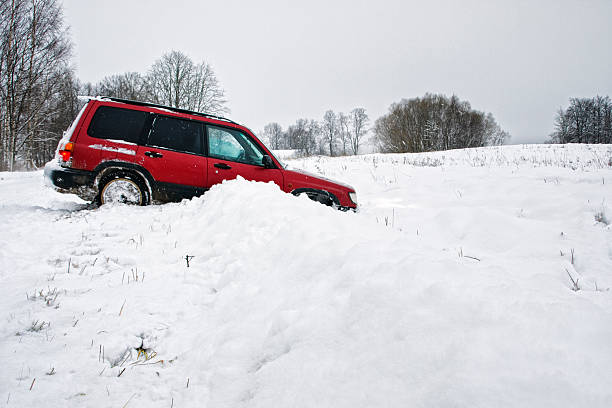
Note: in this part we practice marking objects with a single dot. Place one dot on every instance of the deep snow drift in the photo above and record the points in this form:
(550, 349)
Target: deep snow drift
(468, 278)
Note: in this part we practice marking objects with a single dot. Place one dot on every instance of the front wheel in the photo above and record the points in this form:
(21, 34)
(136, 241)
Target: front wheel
(322, 197)
(122, 188)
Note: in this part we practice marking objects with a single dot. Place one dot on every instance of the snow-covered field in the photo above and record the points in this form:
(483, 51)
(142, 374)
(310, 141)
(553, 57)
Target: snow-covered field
(474, 278)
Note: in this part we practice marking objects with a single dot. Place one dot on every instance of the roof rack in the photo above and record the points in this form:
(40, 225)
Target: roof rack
(170, 108)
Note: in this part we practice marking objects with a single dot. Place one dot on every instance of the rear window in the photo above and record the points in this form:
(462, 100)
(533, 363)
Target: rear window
(117, 124)
(176, 134)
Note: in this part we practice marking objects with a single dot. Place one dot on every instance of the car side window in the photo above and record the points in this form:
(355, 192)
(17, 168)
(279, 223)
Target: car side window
(233, 145)
(114, 123)
(176, 134)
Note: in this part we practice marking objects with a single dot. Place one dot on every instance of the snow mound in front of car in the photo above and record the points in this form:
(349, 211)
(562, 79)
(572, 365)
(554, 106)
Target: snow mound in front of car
(241, 209)
(312, 305)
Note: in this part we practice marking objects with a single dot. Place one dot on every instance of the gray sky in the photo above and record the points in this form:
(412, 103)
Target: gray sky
(280, 60)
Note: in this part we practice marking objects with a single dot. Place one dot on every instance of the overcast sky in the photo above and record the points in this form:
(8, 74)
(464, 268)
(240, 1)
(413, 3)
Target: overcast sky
(283, 60)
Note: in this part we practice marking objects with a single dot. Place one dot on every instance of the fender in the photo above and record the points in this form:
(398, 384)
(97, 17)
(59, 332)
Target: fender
(107, 166)
(313, 194)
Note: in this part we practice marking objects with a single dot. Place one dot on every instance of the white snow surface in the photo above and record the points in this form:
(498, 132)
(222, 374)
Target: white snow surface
(471, 278)
(114, 149)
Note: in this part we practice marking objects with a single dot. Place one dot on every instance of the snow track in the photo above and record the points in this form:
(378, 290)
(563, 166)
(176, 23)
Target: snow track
(462, 284)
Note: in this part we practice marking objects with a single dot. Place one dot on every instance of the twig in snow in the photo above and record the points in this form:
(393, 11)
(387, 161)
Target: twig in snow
(188, 258)
(128, 401)
(121, 372)
(120, 311)
(575, 287)
(471, 257)
(32, 385)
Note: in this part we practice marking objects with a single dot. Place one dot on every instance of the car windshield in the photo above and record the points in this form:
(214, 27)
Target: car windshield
(284, 165)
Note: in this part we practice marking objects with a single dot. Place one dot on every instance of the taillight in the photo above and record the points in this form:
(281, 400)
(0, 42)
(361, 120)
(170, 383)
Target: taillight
(66, 151)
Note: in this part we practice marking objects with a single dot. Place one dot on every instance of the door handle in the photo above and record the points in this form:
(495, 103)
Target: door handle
(154, 155)
(223, 166)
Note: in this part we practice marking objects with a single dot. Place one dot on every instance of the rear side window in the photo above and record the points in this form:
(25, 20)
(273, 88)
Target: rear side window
(176, 134)
(117, 124)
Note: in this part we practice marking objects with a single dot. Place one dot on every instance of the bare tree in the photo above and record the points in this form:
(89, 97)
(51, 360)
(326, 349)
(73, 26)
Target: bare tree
(33, 64)
(206, 93)
(176, 81)
(586, 120)
(130, 85)
(274, 133)
(169, 79)
(344, 130)
(358, 120)
(62, 109)
(302, 136)
(330, 130)
(435, 122)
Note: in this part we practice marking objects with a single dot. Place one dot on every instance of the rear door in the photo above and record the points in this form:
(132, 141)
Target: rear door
(174, 152)
(233, 153)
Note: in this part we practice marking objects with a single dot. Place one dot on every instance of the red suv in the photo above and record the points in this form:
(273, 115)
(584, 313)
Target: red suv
(133, 152)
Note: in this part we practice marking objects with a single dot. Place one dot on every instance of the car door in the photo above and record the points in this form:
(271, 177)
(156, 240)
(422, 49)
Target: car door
(174, 153)
(233, 153)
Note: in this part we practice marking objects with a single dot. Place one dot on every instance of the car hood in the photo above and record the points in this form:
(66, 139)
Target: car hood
(306, 175)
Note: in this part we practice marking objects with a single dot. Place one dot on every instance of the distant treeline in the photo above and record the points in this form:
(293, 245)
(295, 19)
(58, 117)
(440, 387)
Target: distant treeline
(337, 134)
(430, 123)
(586, 120)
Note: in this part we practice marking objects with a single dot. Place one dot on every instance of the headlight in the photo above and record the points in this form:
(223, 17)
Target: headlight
(353, 197)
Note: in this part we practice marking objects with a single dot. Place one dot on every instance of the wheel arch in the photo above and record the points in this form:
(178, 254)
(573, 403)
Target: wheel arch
(311, 192)
(108, 167)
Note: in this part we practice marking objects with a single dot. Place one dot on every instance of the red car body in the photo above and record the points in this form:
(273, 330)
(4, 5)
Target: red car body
(167, 154)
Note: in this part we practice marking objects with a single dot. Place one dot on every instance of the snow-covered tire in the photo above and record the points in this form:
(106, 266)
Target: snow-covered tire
(122, 187)
(322, 197)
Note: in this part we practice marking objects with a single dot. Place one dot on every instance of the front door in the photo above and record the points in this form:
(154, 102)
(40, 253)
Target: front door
(233, 153)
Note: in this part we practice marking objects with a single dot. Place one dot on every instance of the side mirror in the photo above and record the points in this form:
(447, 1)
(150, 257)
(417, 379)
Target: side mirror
(267, 162)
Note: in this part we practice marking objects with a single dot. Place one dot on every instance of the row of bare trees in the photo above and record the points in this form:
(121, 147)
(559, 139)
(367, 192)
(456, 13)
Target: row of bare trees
(435, 122)
(37, 84)
(173, 80)
(336, 134)
(586, 120)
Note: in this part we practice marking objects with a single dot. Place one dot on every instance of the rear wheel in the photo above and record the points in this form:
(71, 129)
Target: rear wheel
(123, 188)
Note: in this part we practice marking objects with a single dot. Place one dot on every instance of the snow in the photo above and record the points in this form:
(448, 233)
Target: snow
(114, 149)
(450, 287)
